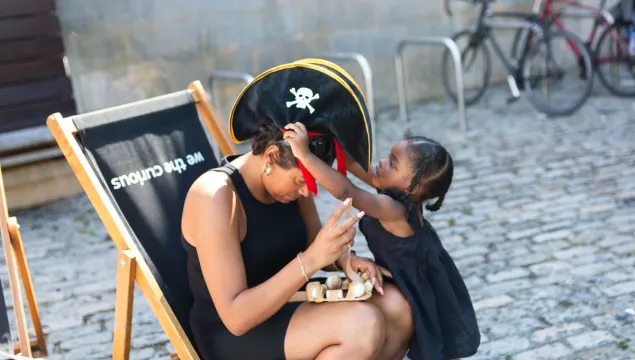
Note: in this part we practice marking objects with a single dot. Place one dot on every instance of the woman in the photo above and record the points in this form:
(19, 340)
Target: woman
(264, 243)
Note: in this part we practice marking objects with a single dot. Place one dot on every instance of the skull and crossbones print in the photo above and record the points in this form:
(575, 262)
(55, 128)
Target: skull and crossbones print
(303, 98)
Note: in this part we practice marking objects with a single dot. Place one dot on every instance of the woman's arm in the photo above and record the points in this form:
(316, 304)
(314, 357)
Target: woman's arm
(211, 223)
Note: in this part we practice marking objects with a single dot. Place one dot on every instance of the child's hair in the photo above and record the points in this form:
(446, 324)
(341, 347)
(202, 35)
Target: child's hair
(432, 168)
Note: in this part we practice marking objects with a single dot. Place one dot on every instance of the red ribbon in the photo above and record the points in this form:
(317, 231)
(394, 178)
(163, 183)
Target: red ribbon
(339, 156)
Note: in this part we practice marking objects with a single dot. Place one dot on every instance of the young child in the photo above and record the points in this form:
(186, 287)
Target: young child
(418, 170)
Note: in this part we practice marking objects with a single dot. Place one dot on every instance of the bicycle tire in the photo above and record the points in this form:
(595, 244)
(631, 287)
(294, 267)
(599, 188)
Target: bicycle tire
(588, 67)
(615, 89)
(448, 60)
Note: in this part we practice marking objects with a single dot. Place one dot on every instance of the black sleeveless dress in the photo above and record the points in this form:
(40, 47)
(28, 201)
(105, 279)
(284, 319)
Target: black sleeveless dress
(275, 234)
(444, 320)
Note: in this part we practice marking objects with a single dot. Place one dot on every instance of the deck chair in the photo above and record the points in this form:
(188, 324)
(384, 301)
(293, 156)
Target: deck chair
(15, 259)
(136, 163)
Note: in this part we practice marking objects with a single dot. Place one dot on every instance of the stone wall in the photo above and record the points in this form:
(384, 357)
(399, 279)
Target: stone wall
(125, 50)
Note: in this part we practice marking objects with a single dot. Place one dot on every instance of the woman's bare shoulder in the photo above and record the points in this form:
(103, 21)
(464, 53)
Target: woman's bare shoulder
(211, 196)
(211, 185)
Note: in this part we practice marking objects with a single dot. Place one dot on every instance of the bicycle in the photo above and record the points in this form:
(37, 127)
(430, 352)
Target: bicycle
(519, 71)
(615, 31)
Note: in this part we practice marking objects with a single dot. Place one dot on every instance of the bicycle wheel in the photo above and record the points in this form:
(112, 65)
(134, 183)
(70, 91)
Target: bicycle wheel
(570, 94)
(614, 66)
(474, 85)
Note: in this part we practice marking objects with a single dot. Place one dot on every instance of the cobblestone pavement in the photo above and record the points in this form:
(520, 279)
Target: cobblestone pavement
(540, 220)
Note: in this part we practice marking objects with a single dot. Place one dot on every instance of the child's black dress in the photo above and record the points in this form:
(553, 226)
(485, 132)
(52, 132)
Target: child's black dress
(444, 320)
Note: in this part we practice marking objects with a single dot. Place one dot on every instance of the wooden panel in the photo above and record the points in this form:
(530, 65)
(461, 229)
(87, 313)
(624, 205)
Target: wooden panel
(16, 94)
(31, 48)
(34, 114)
(25, 7)
(31, 70)
(33, 82)
(39, 109)
(12, 28)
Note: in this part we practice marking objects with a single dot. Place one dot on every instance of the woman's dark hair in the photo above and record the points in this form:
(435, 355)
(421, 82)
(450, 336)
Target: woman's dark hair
(269, 134)
(432, 168)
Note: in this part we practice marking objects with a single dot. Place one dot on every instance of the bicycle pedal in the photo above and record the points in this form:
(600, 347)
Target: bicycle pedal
(512, 99)
(513, 86)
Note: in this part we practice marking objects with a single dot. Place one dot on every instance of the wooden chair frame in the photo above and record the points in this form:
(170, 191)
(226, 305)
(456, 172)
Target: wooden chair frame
(15, 258)
(131, 266)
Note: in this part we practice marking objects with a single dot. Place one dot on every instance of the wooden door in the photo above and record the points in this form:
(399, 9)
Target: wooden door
(33, 78)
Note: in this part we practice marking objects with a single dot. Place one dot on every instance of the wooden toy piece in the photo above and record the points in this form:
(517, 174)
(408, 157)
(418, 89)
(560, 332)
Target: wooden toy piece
(314, 291)
(334, 295)
(334, 282)
(355, 290)
(345, 284)
(368, 286)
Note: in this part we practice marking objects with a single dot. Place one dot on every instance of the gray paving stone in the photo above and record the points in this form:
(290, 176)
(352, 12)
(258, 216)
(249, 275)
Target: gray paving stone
(492, 302)
(549, 267)
(555, 235)
(508, 275)
(548, 352)
(590, 339)
(503, 347)
(554, 332)
(620, 288)
(575, 252)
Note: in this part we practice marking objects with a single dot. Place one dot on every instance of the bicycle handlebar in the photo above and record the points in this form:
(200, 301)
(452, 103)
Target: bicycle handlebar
(449, 12)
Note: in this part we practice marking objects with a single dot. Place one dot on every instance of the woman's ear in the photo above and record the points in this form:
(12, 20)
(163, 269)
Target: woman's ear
(272, 154)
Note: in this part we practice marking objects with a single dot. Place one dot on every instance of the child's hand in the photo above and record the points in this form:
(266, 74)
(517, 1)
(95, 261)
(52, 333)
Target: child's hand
(373, 271)
(298, 138)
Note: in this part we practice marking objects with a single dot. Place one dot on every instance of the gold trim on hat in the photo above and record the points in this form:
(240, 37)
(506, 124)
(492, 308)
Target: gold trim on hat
(336, 67)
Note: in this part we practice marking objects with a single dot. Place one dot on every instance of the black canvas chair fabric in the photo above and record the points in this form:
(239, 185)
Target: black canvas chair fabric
(147, 155)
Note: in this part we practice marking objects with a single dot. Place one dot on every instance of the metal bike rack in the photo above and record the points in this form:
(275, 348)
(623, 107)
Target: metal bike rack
(367, 72)
(399, 69)
(229, 76)
(226, 75)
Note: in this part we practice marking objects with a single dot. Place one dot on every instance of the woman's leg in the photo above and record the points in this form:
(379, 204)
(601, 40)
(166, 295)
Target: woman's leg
(398, 319)
(345, 330)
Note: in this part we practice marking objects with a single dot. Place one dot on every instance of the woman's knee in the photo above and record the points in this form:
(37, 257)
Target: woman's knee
(366, 327)
(395, 307)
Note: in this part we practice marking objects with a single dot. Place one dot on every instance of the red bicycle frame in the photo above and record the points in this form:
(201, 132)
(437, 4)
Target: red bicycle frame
(601, 17)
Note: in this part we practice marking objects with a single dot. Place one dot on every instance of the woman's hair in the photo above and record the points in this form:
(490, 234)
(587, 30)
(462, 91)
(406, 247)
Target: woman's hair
(432, 168)
(268, 134)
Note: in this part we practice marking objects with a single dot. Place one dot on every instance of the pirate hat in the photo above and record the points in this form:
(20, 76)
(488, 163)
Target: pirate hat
(342, 73)
(316, 93)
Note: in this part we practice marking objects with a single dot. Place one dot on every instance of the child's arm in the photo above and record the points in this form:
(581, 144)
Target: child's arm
(357, 170)
(381, 207)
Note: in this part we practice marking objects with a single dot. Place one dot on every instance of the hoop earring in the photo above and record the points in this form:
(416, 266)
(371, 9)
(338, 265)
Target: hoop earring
(267, 169)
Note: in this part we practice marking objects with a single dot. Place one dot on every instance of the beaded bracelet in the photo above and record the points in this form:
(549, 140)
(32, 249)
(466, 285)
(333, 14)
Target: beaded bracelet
(302, 267)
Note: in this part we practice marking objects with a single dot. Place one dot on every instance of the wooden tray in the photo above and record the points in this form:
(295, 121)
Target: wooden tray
(318, 292)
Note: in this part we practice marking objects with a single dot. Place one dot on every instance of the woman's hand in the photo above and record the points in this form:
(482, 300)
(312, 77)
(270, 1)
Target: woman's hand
(333, 240)
(369, 270)
(297, 136)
